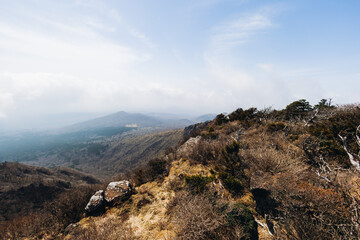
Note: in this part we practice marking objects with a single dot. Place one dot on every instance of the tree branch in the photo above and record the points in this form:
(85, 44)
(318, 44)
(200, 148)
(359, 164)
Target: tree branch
(351, 156)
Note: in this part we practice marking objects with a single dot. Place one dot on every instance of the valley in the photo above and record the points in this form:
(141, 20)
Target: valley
(103, 146)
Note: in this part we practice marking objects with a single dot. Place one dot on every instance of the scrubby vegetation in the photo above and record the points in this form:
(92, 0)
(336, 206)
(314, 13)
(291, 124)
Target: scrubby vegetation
(297, 157)
(250, 174)
(200, 217)
(37, 200)
(156, 168)
(51, 218)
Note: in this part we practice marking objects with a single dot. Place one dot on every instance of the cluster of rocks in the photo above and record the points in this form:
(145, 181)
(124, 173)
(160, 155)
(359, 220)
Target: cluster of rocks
(114, 194)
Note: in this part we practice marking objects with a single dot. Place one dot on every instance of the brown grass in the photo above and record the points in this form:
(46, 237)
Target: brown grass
(201, 217)
(270, 152)
(194, 217)
(111, 229)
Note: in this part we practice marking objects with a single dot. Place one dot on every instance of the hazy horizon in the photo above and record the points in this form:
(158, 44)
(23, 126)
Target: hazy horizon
(185, 57)
(58, 121)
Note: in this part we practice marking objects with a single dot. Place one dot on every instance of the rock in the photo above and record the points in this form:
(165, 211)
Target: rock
(96, 203)
(189, 144)
(116, 192)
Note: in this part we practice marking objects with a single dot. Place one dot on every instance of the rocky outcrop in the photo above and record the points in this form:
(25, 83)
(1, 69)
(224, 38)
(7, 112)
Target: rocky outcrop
(116, 192)
(190, 143)
(96, 203)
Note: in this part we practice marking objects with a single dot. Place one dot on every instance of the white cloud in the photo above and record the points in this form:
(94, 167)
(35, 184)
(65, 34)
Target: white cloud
(114, 15)
(97, 24)
(92, 58)
(59, 67)
(238, 31)
(265, 67)
(142, 37)
(84, 46)
(234, 73)
(232, 77)
(87, 3)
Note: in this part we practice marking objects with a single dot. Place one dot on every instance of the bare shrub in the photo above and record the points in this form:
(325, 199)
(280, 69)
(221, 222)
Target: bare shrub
(231, 127)
(67, 208)
(270, 160)
(30, 225)
(195, 217)
(271, 153)
(306, 210)
(205, 151)
(200, 217)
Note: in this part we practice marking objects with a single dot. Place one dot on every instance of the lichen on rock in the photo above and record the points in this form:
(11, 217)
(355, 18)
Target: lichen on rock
(116, 192)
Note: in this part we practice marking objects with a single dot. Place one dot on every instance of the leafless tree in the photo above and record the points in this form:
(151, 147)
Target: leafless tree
(354, 158)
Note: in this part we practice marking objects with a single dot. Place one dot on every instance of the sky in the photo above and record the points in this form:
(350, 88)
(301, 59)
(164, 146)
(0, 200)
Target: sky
(184, 57)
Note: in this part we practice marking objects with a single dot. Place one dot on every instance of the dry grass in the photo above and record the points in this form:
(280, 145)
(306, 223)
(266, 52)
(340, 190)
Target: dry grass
(111, 229)
(204, 151)
(194, 217)
(200, 217)
(270, 153)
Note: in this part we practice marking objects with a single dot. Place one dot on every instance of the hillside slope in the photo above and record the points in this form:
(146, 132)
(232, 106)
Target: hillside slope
(249, 175)
(25, 189)
(288, 174)
(111, 156)
(103, 146)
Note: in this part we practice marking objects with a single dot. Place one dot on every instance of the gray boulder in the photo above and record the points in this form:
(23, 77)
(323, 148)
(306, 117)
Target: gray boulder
(117, 192)
(96, 203)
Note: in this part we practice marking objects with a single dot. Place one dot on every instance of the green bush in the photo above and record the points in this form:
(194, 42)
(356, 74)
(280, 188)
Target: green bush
(197, 183)
(324, 104)
(232, 184)
(240, 114)
(232, 148)
(246, 117)
(154, 169)
(241, 215)
(220, 119)
(297, 109)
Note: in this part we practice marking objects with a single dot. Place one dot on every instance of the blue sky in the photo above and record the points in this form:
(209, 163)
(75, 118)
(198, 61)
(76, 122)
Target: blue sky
(186, 56)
